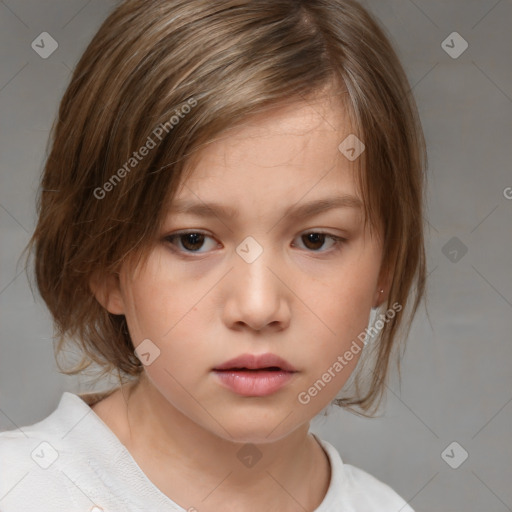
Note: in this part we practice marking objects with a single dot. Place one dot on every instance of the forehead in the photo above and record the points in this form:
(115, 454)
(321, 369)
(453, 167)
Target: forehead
(289, 150)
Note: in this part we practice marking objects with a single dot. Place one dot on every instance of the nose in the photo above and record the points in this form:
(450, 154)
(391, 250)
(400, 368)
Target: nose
(256, 293)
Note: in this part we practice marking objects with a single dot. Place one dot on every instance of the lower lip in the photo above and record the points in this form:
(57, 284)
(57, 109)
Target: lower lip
(254, 383)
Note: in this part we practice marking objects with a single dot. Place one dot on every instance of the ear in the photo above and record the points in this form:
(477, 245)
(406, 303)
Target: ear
(384, 283)
(107, 291)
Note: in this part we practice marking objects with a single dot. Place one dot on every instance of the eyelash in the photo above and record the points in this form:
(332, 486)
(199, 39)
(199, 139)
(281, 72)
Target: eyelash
(339, 241)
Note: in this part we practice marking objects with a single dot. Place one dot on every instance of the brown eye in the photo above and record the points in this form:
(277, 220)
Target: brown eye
(314, 241)
(190, 241)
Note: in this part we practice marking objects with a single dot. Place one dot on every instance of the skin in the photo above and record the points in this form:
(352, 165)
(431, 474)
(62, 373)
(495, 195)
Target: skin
(302, 300)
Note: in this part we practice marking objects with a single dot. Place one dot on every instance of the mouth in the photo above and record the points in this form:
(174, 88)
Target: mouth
(255, 375)
(256, 362)
(253, 370)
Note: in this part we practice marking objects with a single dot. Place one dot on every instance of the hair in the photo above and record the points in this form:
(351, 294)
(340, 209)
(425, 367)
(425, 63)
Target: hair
(178, 73)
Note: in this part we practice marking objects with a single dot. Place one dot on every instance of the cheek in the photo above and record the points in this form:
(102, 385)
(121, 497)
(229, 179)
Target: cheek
(343, 301)
(157, 300)
(333, 347)
(342, 306)
(161, 308)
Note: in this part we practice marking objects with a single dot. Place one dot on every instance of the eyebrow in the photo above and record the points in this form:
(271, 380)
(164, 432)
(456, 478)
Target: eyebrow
(206, 209)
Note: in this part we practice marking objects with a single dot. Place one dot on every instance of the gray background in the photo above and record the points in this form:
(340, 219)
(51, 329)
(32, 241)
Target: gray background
(457, 381)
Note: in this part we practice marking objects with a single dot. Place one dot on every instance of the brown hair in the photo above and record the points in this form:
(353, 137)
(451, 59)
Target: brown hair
(180, 72)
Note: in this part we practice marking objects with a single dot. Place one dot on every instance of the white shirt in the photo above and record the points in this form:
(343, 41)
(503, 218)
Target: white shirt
(72, 462)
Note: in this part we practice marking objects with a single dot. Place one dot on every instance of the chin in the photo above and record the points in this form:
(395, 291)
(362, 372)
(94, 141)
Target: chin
(243, 429)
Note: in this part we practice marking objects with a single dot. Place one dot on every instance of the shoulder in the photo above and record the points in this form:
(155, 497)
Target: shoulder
(36, 459)
(357, 489)
(29, 472)
(373, 492)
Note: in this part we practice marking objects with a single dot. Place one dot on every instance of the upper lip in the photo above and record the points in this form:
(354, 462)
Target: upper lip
(256, 362)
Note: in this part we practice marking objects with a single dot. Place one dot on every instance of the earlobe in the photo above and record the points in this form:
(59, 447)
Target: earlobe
(378, 298)
(381, 293)
(107, 291)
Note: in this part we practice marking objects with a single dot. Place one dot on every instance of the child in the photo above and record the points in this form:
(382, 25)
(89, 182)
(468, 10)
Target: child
(232, 188)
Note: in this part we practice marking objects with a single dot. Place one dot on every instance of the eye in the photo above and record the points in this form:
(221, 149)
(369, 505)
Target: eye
(316, 239)
(190, 241)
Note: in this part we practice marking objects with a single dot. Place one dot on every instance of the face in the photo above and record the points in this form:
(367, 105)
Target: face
(261, 272)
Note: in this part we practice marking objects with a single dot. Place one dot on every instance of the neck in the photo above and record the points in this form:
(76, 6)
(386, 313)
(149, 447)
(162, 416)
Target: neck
(185, 460)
